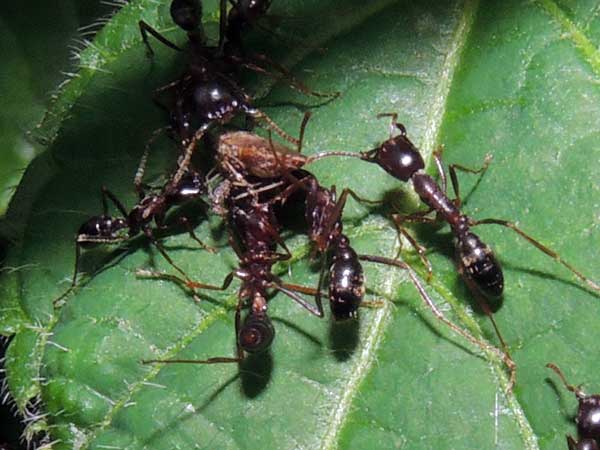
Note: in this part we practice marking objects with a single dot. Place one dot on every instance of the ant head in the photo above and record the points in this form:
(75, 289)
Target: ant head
(399, 157)
(257, 332)
(478, 265)
(186, 14)
(253, 9)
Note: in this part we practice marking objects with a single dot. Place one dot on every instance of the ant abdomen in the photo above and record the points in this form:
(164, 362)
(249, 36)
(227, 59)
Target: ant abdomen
(257, 333)
(479, 266)
(186, 14)
(346, 281)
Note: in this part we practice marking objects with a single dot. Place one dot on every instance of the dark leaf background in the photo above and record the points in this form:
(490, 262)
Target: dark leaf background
(517, 80)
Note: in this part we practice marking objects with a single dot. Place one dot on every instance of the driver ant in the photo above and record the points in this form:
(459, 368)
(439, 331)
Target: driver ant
(588, 416)
(106, 229)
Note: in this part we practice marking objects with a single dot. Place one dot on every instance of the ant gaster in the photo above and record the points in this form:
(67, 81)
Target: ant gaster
(588, 416)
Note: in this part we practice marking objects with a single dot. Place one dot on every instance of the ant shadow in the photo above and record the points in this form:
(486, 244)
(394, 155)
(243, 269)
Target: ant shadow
(568, 418)
(344, 338)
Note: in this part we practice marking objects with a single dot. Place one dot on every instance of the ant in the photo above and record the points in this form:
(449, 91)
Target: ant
(588, 416)
(257, 231)
(106, 229)
(476, 262)
(206, 94)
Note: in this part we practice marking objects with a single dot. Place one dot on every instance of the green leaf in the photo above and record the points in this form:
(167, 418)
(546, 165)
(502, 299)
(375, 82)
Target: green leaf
(30, 71)
(517, 80)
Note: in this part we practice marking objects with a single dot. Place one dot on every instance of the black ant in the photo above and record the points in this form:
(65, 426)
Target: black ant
(257, 231)
(588, 416)
(207, 94)
(476, 262)
(106, 229)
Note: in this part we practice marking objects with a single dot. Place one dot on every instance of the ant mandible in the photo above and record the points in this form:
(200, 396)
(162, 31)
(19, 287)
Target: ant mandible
(588, 416)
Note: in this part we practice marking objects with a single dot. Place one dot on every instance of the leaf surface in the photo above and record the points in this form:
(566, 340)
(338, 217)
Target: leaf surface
(517, 80)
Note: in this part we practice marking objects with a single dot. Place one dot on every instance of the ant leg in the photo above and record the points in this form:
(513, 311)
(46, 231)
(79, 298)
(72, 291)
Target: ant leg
(571, 443)
(504, 355)
(222, 24)
(305, 120)
(163, 252)
(454, 167)
(144, 273)
(56, 301)
(215, 360)
(139, 174)
(259, 115)
(283, 74)
(291, 289)
(187, 154)
(437, 157)
(551, 253)
(108, 194)
(574, 389)
(186, 223)
(80, 240)
(419, 248)
(146, 29)
(358, 198)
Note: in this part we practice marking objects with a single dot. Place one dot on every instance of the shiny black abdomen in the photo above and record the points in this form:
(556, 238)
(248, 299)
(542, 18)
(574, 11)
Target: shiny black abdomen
(346, 283)
(479, 266)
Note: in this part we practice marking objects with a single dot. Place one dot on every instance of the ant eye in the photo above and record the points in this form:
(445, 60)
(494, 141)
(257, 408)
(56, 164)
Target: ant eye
(256, 334)
(186, 14)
